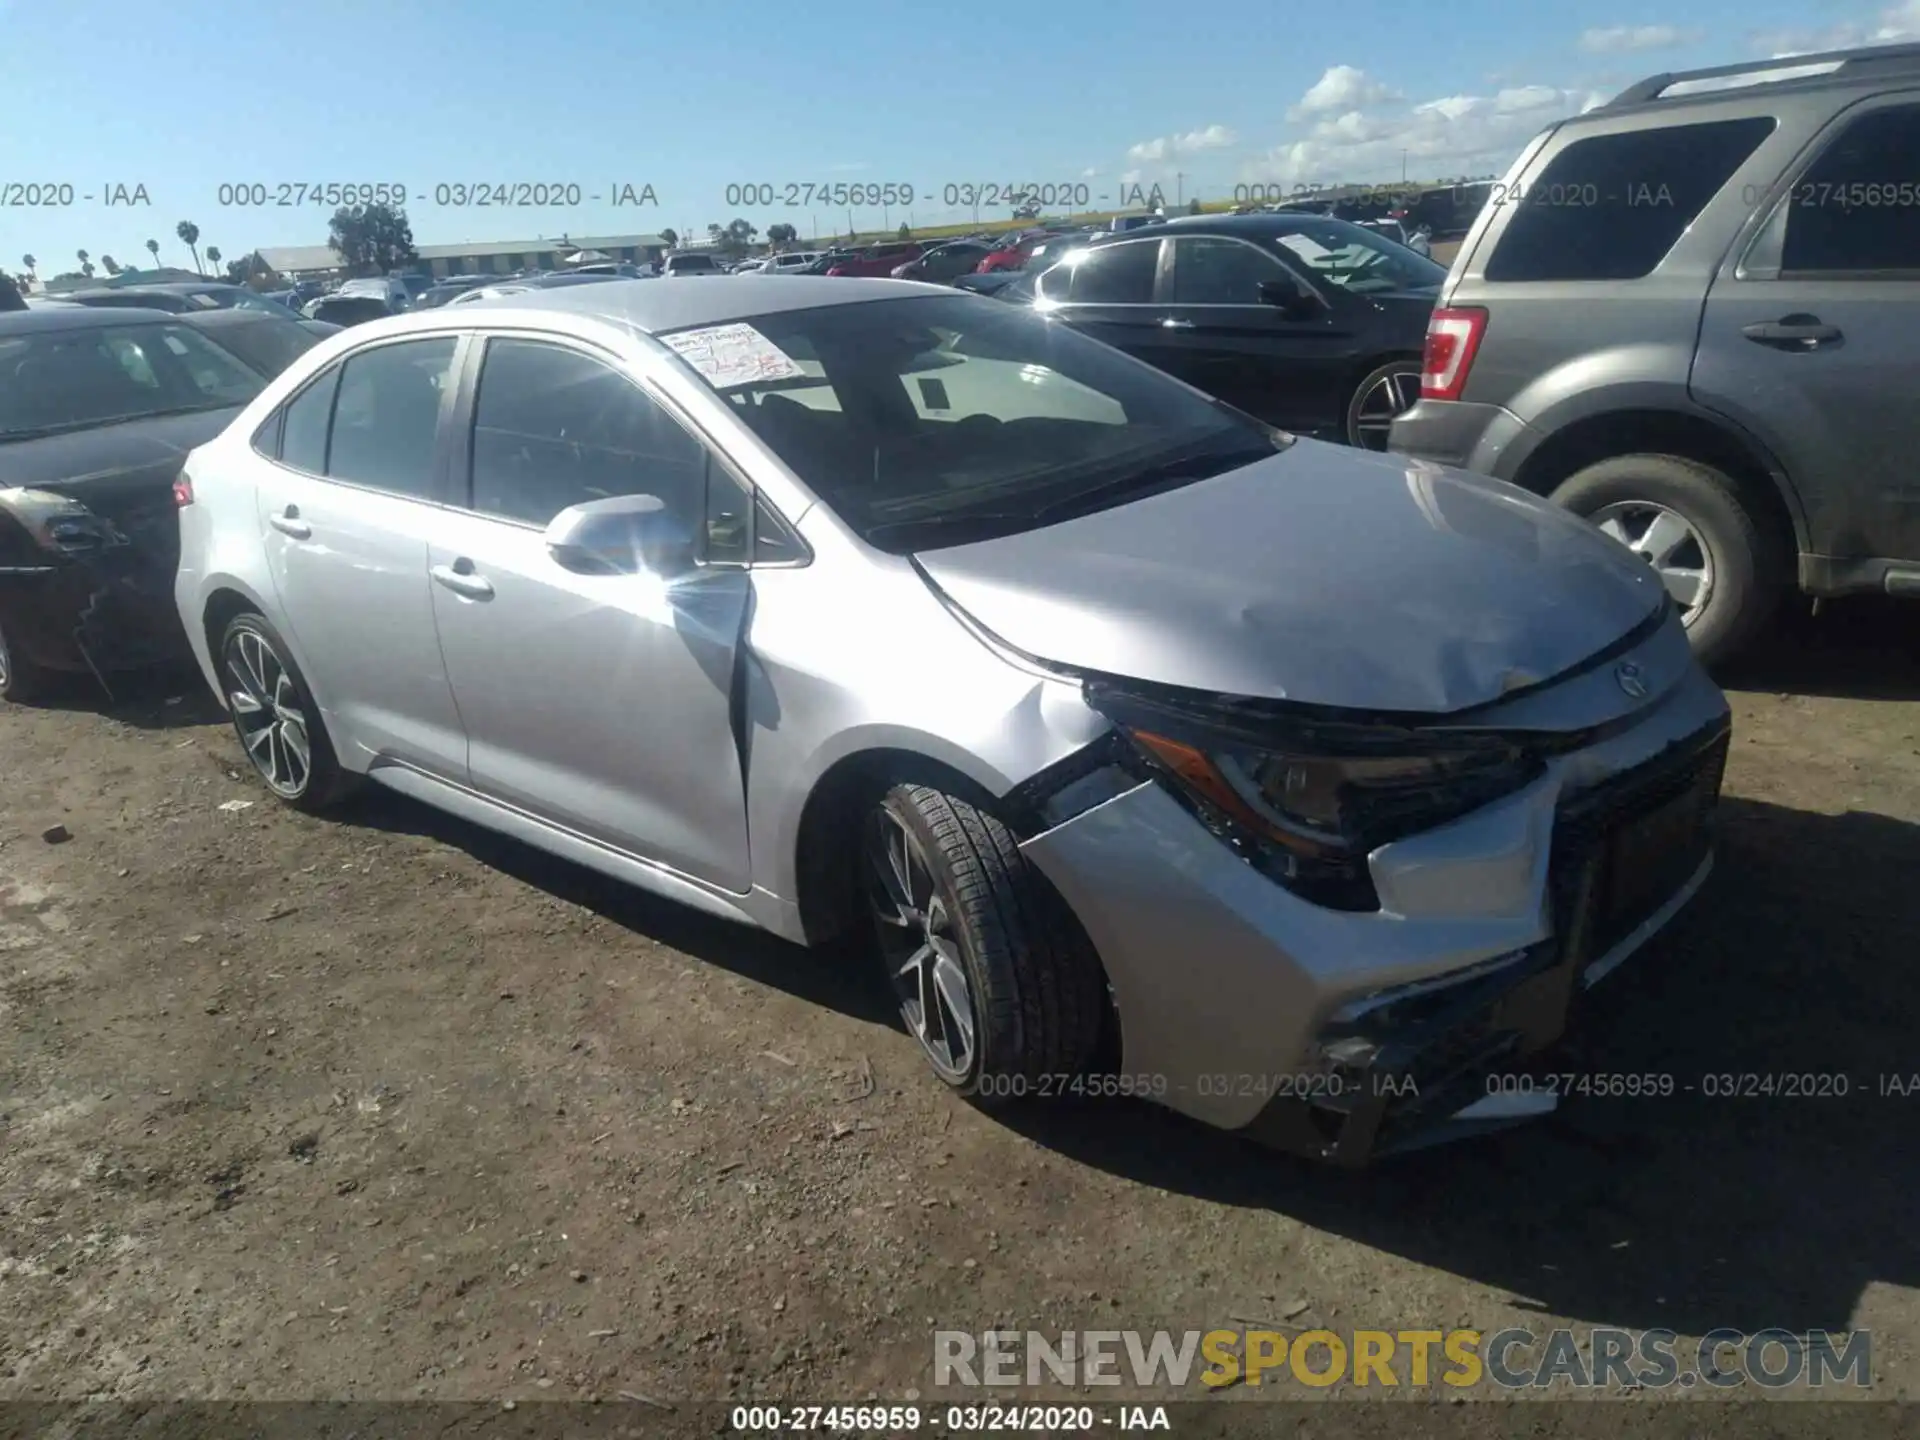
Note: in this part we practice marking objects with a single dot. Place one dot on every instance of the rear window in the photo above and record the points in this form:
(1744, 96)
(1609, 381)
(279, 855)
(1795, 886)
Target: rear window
(1611, 207)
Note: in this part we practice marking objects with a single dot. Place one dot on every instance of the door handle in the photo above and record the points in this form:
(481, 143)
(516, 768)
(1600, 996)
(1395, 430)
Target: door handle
(1172, 324)
(459, 578)
(288, 522)
(1792, 332)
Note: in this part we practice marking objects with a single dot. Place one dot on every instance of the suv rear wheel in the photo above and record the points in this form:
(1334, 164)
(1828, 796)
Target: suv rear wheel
(1722, 564)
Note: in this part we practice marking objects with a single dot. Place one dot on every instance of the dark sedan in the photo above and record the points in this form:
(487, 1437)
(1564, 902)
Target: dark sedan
(945, 263)
(1307, 322)
(186, 297)
(98, 409)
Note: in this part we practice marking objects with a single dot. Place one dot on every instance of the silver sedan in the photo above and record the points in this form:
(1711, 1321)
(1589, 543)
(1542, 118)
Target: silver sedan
(1154, 751)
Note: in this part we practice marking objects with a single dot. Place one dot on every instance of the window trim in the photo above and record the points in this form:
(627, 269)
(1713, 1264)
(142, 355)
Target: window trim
(1761, 258)
(1170, 275)
(337, 369)
(467, 415)
(1152, 300)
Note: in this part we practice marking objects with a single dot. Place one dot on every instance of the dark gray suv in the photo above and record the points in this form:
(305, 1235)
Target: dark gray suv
(1692, 315)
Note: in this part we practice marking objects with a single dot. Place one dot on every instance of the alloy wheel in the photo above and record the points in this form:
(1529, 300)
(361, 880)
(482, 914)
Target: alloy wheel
(1383, 402)
(265, 705)
(920, 947)
(4, 665)
(1669, 544)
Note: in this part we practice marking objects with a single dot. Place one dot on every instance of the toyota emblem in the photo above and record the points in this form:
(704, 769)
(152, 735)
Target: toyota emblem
(1631, 680)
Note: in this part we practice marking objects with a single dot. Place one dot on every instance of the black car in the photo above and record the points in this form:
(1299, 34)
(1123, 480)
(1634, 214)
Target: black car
(1305, 321)
(946, 263)
(181, 298)
(98, 409)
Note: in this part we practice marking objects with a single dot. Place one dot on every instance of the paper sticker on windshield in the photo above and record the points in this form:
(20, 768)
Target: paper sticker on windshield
(729, 355)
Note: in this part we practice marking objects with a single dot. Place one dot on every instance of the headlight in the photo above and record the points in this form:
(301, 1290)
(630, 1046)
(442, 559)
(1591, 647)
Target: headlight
(1308, 799)
(57, 522)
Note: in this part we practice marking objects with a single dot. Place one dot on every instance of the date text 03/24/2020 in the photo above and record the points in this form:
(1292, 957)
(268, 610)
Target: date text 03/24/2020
(447, 194)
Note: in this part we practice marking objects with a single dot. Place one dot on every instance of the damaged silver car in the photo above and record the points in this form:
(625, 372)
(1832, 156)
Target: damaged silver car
(1298, 788)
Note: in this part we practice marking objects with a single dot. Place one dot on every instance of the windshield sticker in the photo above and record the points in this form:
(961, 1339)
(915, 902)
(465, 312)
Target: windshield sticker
(729, 355)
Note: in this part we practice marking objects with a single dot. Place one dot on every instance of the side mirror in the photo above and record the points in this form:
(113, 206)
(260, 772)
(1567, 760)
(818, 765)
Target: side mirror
(1291, 298)
(624, 535)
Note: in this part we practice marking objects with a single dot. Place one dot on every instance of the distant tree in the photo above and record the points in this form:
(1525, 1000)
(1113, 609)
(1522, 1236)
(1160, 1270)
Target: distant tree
(189, 234)
(904, 232)
(110, 265)
(213, 258)
(738, 236)
(781, 234)
(239, 271)
(83, 258)
(714, 232)
(670, 237)
(371, 239)
(153, 248)
(72, 275)
(33, 265)
(1193, 206)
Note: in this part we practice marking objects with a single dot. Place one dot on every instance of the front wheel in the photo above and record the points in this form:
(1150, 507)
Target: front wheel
(21, 681)
(1379, 400)
(1724, 567)
(278, 724)
(993, 976)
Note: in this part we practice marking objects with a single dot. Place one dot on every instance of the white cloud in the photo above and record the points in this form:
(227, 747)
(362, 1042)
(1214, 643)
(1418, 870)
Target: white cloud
(1168, 147)
(1131, 177)
(1894, 22)
(1341, 88)
(1620, 39)
(1090, 173)
(1449, 135)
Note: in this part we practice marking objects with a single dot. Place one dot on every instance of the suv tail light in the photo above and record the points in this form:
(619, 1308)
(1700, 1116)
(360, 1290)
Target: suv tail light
(183, 491)
(1453, 336)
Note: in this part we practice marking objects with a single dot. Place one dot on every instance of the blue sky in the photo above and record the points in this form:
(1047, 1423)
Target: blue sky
(691, 97)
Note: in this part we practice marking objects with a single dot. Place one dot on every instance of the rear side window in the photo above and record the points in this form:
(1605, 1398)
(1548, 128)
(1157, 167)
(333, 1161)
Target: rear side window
(303, 437)
(1611, 207)
(1112, 275)
(1856, 208)
(386, 418)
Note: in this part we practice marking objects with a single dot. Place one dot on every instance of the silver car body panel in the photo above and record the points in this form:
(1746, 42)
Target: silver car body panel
(527, 712)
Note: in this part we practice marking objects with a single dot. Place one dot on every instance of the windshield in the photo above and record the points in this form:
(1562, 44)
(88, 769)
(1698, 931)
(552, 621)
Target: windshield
(1358, 260)
(72, 379)
(907, 416)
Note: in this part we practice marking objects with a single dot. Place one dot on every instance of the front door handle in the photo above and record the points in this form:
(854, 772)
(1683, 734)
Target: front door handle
(1172, 324)
(1793, 332)
(459, 578)
(288, 522)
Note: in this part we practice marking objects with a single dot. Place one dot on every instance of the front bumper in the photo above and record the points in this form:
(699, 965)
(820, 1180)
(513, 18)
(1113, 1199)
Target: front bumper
(98, 614)
(1350, 1035)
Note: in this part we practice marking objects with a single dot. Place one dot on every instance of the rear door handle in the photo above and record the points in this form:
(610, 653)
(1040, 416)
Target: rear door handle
(288, 522)
(459, 578)
(1792, 332)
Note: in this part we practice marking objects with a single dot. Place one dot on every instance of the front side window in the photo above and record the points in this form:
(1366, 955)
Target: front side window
(386, 417)
(1208, 270)
(55, 380)
(1610, 207)
(941, 419)
(1856, 208)
(553, 428)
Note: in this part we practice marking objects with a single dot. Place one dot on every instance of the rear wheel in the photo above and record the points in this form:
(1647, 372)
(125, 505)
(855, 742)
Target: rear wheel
(21, 681)
(1724, 566)
(278, 724)
(1378, 400)
(993, 976)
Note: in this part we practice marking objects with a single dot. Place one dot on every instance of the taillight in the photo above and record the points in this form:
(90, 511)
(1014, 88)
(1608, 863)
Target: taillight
(1452, 338)
(183, 491)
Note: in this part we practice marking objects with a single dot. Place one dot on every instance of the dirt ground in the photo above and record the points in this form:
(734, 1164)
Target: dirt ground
(384, 1107)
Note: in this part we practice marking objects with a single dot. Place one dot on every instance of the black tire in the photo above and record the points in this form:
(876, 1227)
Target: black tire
(1035, 987)
(21, 681)
(1750, 559)
(1402, 378)
(325, 783)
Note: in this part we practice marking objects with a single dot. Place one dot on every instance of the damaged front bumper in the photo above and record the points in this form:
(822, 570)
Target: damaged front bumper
(1348, 1035)
(96, 607)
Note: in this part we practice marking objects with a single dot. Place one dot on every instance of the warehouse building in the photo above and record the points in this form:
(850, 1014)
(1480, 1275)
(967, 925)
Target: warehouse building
(500, 257)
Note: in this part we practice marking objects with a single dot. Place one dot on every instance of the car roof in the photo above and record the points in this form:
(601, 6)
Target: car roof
(1248, 226)
(654, 309)
(80, 317)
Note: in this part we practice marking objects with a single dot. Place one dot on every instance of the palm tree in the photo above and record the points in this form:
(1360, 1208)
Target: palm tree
(110, 265)
(153, 247)
(213, 258)
(86, 265)
(189, 234)
(32, 266)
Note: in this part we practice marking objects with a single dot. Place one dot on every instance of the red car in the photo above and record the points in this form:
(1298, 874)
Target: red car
(1013, 254)
(878, 261)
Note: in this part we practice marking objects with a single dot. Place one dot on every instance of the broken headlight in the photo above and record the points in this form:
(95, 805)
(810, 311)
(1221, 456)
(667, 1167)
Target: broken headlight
(58, 522)
(1307, 799)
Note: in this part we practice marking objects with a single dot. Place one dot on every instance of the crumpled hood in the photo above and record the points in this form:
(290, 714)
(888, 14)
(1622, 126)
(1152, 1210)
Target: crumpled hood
(1324, 575)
